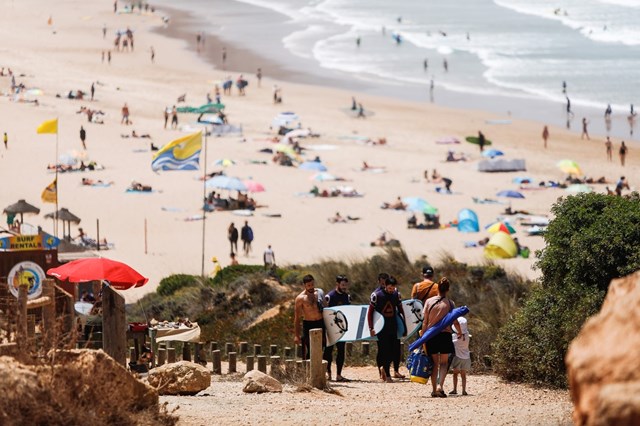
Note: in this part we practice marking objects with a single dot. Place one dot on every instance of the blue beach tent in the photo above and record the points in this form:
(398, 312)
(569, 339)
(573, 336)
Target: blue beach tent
(468, 221)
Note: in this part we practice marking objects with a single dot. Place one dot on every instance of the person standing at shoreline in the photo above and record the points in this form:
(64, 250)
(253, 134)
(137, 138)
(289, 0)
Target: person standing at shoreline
(585, 123)
(93, 90)
(166, 116)
(623, 153)
(609, 147)
(445, 64)
(174, 117)
(224, 57)
(125, 115)
(545, 135)
(153, 55)
(481, 140)
(259, 77)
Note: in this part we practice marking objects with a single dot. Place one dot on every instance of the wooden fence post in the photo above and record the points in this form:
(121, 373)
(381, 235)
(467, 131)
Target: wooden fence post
(217, 364)
(262, 363)
(249, 363)
(287, 352)
(318, 375)
(244, 348)
(232, 362)
(273, 350)
(162, 356)
(228, 347)
(276, 368)
(171, 355)
(114, 325)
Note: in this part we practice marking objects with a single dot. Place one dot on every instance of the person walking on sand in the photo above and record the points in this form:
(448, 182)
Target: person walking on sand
(545, 135)
(83, 137)
(5, 139)
(445, 64)
(481, 140)
(93, 90)
(259, 77)
(623, 153)
(224, 56)
(109, 57)
(585, 123)
(166, 116)
(125, 115)
(609, 147)
(461, 362)
(153, 55)
(246, 235)
(568, 106)
(440, 346)
(361, 111)
(308, 315)
(339, 296)
(425, 65)
(269, 258)
(104, 31)
(232, 236)
(174, 117)
(426, 288)
(388, 303)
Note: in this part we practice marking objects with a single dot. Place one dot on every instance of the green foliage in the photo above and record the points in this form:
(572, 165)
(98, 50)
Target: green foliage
(593, 239)
(173, 283)
(231, 273)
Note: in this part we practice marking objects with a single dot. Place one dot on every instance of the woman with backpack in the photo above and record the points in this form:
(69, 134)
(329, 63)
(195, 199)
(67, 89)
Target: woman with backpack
(440, 346)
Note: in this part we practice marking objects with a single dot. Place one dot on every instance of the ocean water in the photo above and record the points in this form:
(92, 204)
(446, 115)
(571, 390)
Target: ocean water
(516, 49)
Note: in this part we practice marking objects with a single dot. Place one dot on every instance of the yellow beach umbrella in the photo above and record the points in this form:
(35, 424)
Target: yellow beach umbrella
(570, 167)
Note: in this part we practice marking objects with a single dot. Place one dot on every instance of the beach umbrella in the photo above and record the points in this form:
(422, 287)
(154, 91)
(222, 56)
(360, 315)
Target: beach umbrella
(226, 182)
(323, 177)
(577, 188)
(429, 209)
(417, 204)
(500, 227)
(287, 149)
(491, 153)
(202, 109)
(21, 207)
(253, 186)
(570, 167)
(313, 165)
(224, 162)
(510, 194)
(296, 133)
(66, 217)
(119, 275)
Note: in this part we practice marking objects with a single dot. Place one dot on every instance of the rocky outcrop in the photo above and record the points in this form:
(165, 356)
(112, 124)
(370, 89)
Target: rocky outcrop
(180, 378)
(602, 361)
(257, 382)
(74, 387)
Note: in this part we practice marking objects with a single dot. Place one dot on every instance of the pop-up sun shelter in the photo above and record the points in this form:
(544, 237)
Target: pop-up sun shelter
(468, 221)
(500, 246)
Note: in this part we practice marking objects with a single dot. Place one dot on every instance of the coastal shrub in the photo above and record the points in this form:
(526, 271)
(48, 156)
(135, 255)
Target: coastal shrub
(172, 283)
(231, 273)
(593, 239)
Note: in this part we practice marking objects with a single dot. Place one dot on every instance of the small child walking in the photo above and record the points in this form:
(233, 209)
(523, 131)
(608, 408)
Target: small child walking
(462, 360)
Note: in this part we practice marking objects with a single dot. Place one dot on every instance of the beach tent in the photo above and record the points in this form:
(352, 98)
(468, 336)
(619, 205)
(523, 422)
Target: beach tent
(500, 246)
(468, 221)
(492, 153)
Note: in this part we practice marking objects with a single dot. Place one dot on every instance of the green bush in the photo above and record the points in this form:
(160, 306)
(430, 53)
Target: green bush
(593, 239)
(173, 283)
(231, 273)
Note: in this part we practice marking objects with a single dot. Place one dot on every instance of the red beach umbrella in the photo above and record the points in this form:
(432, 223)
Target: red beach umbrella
(119, 275)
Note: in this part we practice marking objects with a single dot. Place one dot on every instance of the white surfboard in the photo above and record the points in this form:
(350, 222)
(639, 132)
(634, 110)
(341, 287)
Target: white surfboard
(348, 323)
(412, 309)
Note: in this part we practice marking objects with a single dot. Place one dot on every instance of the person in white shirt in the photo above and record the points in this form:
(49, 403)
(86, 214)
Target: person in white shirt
(269, 258)
(462, 360)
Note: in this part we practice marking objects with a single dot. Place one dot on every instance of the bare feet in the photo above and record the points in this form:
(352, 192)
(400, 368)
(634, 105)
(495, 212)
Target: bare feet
(397, 375)
(383, 375)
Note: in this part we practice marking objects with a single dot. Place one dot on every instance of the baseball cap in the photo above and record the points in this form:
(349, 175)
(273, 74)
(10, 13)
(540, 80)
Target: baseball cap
(427, 270)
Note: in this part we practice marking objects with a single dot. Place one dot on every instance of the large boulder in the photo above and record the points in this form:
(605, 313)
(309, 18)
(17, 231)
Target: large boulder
(602, 361)
(180, 378)
(256, 381)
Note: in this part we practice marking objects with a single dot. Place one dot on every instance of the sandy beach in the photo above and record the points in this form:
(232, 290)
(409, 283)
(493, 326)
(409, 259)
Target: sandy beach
(66, 55)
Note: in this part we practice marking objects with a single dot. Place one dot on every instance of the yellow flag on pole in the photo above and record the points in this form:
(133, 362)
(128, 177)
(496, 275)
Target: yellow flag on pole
(50, 193)
(49, 126)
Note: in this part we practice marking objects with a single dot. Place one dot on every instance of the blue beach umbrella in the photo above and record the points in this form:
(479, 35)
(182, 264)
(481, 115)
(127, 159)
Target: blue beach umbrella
(226, 182)
(313, 165)
(510, 194)
(492, 153)
(417, 204)
(522, 179)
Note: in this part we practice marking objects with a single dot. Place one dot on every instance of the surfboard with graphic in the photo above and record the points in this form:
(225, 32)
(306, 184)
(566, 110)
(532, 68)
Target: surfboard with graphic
(348, 323)
(412, 309)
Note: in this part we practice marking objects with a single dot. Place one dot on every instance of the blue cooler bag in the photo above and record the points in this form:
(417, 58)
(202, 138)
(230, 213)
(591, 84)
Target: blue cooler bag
(420, 366)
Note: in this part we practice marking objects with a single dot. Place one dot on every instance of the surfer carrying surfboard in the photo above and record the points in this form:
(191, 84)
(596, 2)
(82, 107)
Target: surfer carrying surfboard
(339, 296)
(388, 303)
(308, 314)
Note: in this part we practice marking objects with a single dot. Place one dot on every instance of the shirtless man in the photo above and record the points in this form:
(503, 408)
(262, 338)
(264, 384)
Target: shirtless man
(308, 314)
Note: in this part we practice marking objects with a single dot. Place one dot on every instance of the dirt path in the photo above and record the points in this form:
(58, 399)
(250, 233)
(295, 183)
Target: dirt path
(368, 401)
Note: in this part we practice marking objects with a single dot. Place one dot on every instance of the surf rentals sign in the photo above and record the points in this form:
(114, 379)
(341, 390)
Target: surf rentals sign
(29, 242)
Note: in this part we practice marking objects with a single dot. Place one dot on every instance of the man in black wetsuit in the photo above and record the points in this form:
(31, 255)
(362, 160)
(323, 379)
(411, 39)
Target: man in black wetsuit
(339, 296)
(388, 303)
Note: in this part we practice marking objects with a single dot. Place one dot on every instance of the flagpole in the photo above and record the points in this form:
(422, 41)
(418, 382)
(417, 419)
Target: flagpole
(55, 214)
(204, 197)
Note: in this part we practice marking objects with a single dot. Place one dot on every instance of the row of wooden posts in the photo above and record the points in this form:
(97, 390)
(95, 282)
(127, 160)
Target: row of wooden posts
(288, 366)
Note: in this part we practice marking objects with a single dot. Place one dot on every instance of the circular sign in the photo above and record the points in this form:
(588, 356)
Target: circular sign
(29, 274)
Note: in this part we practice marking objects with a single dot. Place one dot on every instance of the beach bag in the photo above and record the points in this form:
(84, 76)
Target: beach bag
(420, 366)
(525, 253)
